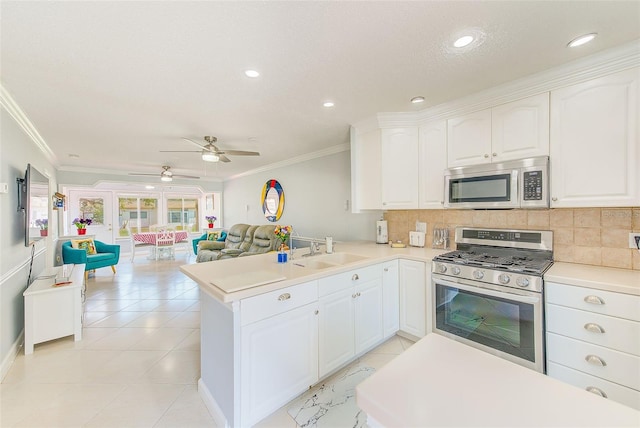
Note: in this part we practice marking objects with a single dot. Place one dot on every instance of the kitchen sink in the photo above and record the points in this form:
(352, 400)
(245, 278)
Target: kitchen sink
(328, 260)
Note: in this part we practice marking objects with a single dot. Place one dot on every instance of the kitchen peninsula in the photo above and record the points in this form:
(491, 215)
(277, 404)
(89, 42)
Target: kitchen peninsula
(270, 330)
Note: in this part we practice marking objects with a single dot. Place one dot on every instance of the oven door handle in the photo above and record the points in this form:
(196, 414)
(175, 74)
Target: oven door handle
(490, 292)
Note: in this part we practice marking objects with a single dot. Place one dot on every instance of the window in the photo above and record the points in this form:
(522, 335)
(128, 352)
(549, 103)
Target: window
(183, 214)
(136, 214)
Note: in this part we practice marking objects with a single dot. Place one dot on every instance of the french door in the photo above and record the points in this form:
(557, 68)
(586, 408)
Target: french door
(95, 205)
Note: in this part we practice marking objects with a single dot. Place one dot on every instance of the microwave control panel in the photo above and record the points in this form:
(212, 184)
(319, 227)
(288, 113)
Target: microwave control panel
(532, 185)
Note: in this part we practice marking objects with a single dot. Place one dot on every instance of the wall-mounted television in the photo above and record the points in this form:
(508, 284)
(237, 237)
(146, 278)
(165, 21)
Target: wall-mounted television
(33, 201)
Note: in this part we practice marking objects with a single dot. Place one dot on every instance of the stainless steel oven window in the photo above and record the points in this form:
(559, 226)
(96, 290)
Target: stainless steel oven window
(486, 319)
(494, 188)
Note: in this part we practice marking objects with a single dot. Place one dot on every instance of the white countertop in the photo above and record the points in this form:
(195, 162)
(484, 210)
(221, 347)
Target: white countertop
(227, 279)
(439, 382)
(602, 278)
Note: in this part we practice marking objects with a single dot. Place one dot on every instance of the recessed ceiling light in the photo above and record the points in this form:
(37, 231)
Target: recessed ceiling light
(463, 41)
(328, 104)
(417, 100)
(149, 187)
(579, 41)
(251, 73)
(74, 156)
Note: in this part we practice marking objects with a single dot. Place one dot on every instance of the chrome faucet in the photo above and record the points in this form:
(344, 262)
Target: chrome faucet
(314, 248)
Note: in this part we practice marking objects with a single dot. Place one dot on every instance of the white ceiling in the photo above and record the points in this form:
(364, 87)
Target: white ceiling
(116, 81)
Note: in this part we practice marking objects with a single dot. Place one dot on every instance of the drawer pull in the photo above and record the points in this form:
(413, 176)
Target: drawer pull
(597, 391)
(355, 277)
(386, 269)
(595, 300)
(593, 327)
(283, 297)
(354, 295)
(596, 361)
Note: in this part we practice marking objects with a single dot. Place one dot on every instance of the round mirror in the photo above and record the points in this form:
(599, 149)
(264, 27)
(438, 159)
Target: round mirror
(272, 200)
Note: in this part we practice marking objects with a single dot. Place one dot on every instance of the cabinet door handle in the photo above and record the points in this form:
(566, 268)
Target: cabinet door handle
(358, 294)
(554, 199)
(486, 155)
(317, 312)
(595, 360)
(597, 391)
(354, 295)
(595, 300)
(355, 277)
(593, 327)
(386, 269)
(494, 154)
(283, 297)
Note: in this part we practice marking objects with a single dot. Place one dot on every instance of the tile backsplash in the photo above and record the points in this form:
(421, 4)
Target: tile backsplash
(592, 236)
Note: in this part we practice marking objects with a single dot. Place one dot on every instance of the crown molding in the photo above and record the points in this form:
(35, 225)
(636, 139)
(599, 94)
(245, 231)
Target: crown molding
(610, 61)
(295, 160)
(14, 110)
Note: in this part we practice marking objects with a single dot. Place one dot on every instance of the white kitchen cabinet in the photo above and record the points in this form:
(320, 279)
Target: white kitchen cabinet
(366, 170)
(593, 340)
(279, 360)
(469, 139)
(432, 152)
(350, 316)
(390, 298)
(595, 142)
(399, 168)
(278, 348)
(413, 299)
(516, 130)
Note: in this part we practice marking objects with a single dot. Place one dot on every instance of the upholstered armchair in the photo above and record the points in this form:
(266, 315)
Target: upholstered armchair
(105, 255)
(196, 241)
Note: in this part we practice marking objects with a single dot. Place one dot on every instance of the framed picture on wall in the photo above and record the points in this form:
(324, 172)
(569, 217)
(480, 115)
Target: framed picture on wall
(208, 203)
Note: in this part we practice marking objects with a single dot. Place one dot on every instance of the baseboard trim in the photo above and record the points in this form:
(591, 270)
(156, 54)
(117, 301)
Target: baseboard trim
(212, 405)
(11, 356)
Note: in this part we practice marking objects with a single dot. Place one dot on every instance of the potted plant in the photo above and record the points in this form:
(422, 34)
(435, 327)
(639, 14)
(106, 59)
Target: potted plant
(81, 224)
(210, 219)
(43, 224)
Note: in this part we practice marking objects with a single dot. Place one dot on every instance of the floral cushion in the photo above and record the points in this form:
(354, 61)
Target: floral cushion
(86, 244)
(213, 236)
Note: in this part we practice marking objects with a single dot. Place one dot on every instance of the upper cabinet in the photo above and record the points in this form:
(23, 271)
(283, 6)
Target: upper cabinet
(399, 168)
(432, 151)
(515, 130)
(366, 175)
(595, 142)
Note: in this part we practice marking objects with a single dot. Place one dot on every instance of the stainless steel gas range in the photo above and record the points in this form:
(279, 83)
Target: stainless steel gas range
(488, 293)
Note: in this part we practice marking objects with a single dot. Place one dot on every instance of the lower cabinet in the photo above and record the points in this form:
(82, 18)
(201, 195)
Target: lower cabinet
(390, 298)
(413, 297)
(593, 341)
(350, 316)
(279, 354)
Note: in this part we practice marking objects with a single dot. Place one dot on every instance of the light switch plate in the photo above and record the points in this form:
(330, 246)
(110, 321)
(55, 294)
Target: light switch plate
(4, 188)
(421, 227)
(632, 240)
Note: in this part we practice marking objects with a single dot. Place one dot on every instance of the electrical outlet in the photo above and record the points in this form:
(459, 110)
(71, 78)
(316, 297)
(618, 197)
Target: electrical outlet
(634, 240)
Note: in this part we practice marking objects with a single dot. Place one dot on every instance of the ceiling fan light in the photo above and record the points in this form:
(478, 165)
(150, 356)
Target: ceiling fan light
(166, 178)
(207, 156)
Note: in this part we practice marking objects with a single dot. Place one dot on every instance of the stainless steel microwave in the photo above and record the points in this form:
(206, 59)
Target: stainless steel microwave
(522, 183)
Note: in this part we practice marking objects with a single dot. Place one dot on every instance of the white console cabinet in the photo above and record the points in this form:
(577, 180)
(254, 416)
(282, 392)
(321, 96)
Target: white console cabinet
(52, 312)
(593, 341)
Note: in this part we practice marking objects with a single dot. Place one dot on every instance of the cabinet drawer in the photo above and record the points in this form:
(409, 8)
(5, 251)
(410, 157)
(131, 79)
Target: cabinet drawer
(588, 299)
(276, 302)
(620, 367)
(338, 282)
(617, 333)
(613, 391)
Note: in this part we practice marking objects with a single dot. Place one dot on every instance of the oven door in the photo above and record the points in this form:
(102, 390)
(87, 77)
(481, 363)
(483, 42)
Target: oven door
(497, 189)
(506, 324)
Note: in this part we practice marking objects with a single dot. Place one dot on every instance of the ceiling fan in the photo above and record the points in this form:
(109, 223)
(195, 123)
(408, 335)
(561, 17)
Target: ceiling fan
(165, 175)
(210, 152)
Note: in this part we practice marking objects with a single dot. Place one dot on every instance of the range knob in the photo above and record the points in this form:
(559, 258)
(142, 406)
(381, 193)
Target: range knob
(504, 278)
(442, 268)
(455, 270)
(522, 282)
(478, 274)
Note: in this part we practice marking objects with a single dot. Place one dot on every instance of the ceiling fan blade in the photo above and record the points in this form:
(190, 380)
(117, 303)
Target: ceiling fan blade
(185, 176)
(223, 158)
(193, 142)
(140, 174)
(239, 153)
(180, 151)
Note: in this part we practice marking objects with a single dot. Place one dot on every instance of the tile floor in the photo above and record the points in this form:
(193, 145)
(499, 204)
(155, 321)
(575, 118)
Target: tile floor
(138, 362)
